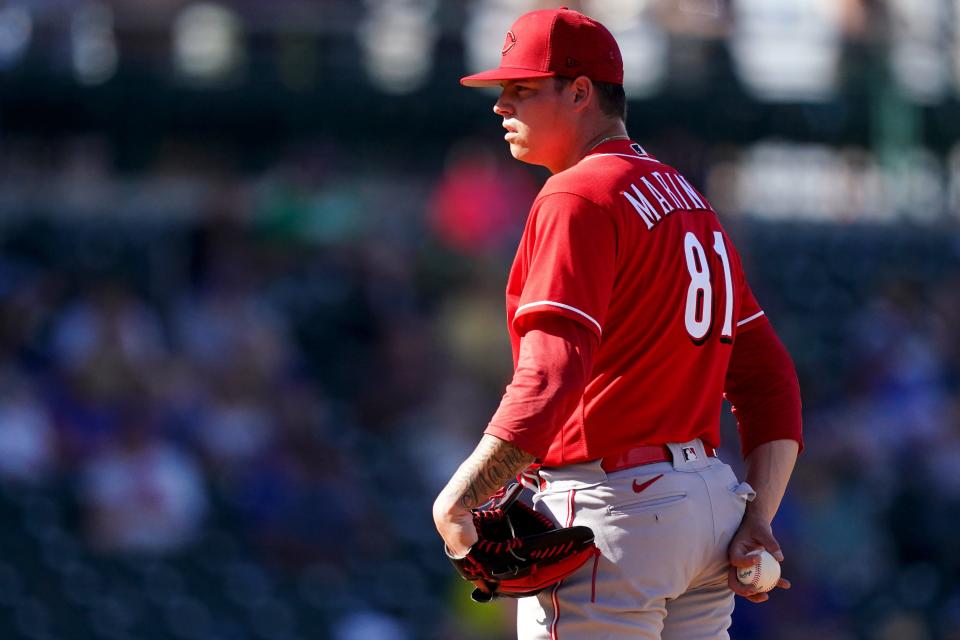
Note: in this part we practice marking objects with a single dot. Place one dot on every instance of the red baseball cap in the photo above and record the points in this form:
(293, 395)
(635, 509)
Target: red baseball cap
(555, 42)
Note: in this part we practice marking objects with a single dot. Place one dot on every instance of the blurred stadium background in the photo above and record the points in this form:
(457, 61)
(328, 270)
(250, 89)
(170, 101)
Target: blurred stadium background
(251, 267)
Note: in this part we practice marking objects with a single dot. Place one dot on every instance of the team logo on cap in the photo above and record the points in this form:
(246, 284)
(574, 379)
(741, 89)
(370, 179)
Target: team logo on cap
(509, 43)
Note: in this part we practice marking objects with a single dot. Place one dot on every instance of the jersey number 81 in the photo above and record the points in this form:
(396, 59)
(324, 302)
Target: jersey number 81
(698, 315)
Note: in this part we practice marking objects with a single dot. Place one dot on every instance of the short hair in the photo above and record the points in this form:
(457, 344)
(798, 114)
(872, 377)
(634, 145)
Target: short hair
(611, 97)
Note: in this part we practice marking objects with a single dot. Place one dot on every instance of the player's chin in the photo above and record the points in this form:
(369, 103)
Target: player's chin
(522, 153)
(518, 151)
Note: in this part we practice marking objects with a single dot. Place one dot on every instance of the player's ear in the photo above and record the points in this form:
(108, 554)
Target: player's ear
(582, 89)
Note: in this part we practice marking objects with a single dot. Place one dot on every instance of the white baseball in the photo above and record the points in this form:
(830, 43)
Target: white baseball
(764, 574)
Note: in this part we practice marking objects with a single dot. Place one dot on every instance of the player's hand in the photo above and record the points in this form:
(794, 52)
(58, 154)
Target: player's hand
(754, 533)
(455, 525)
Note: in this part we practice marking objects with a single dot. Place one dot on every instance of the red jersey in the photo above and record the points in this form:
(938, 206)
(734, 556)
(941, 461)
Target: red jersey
(624, 245)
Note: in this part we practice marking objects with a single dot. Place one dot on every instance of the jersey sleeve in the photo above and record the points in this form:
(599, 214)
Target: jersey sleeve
(572, 259)
(556, 357)
(761, 385)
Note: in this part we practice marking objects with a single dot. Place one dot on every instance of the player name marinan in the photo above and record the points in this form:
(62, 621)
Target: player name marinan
(681, 195)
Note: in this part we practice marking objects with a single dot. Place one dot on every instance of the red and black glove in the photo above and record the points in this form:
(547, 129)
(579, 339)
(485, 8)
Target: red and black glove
(520, 552)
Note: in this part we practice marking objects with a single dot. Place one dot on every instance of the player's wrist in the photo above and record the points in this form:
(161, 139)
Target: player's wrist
(758, 515)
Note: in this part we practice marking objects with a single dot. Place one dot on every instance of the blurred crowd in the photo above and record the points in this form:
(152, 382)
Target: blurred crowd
(290, 371)
(276, 364)
(870, 516)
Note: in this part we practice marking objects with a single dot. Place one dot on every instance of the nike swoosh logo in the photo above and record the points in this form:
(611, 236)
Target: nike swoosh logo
(637, 488)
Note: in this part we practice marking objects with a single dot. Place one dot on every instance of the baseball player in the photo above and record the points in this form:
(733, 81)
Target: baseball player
(630, 319)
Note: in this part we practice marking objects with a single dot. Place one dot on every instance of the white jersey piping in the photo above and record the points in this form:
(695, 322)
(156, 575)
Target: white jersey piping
(753, 317)
(562, 306)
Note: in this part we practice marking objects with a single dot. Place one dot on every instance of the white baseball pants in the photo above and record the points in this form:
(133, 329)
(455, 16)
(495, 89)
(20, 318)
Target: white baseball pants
(662, 572)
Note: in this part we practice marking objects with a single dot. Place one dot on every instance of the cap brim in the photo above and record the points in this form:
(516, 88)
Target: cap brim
(494, 77)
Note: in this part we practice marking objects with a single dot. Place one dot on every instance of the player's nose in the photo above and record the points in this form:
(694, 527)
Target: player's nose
(502, 108)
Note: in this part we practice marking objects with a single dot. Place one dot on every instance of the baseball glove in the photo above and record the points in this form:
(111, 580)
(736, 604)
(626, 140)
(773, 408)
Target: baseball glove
(520, 552)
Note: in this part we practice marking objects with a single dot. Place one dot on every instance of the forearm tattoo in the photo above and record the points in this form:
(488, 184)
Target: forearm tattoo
(488, 468)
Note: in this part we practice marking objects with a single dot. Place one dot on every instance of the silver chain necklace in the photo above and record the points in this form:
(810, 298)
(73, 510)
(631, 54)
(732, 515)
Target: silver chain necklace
(608, 139)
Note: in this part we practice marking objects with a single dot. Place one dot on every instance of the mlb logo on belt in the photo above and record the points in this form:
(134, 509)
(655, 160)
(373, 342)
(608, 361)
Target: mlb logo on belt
(689, 454)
